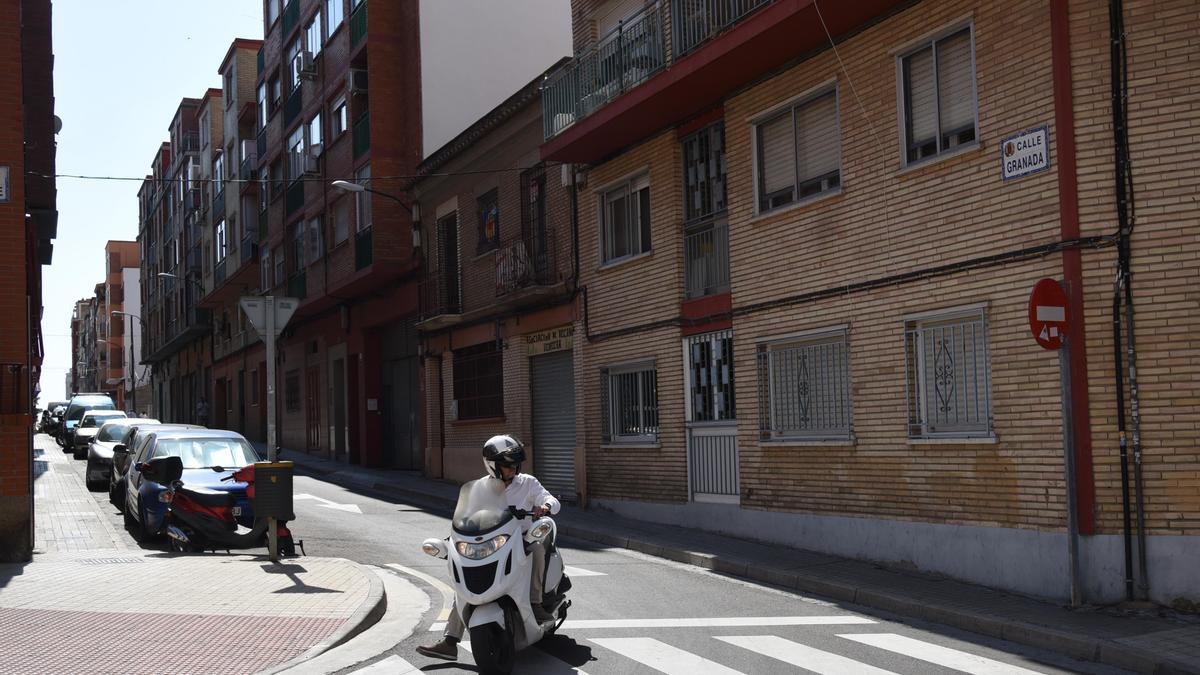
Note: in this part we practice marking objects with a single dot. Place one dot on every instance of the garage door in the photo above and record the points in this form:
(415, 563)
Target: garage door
(553, 378)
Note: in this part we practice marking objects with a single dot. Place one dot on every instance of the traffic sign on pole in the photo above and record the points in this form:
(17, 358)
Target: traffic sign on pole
(1048, 314)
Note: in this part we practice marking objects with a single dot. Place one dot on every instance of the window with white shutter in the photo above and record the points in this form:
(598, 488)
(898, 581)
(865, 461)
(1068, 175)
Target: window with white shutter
(938, 96)
(799, 152)
(625, 220)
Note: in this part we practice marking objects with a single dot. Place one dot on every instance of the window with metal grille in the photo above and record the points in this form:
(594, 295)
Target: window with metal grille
(710, 376)
(625, 220)
(291, 391)
(804, 388)
(488, 208)
(946, 364)
(479, 381)
(629, 403)
(704, 173)
(938, 96)
(799, 152)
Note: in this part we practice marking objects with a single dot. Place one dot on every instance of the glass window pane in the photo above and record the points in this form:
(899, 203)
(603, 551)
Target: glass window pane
(921, 107)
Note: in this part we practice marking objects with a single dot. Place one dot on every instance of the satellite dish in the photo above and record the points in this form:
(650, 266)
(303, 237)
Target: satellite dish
(57, 124)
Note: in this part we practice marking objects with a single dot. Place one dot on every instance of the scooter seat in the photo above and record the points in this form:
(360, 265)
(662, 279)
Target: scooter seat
(209, 497)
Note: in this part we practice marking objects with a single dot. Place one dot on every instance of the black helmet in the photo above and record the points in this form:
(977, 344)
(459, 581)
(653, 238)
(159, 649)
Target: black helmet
(502, 450)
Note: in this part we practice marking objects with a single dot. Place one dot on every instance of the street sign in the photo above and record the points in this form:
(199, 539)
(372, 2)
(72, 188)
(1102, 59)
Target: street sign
(256, 310)
(1025, 153)
(1048, 317)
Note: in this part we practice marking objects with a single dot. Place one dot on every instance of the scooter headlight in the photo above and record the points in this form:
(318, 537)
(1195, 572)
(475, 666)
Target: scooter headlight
(480, 551)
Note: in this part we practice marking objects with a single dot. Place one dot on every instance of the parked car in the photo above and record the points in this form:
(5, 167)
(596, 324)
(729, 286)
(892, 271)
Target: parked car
(208, 456)
(127, 448)
(87, 428)
(100, 451)
(79, 404)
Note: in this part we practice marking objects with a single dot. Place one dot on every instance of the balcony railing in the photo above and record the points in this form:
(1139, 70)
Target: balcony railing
(633, 52)
(218, 205)
(362, 135)
(219, 273)
(358, 24)
(246, 169)
(294, 199)
(224, 346)
(297, 285)
(439, 294)
(189, 141)
(249, 251)
(524, 263)
(363, 248)
(292, 106)
(261, 143)
(624, 58)
(291, 16)
(706, 260)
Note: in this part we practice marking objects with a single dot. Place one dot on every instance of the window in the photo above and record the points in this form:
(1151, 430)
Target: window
(274, 8)
(254, 387)
(704, 173)
(292, 58)
(334, 12)
(275, 93)
(291, 391)
(204, 129)
(299, 236)
(710, 377)
(218, 173)
(946, 358)
(533, 202)
(219, 240)
(295, 145)
(363, 199)
(276, 179)
(312, 35)
(280, 265)
(228, 86)
(313, 136)
(489, 221)
(804, 388)
(341, 220)
(316, 240)
(629, 400)
(264, 271)
(337, 118)
(799, 152)
(938, 96)
(479, 381)
(625, 220)
(262, 106)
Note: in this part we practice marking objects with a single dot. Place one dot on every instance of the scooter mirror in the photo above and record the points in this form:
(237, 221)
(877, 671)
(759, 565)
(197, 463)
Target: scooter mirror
(435, 548)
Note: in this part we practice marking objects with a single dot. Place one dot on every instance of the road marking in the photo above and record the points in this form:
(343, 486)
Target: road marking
(717, 622)
(937, 654)
(348, 508)
(663, 657)
(536, 662)
(446, 591)
(580, 572)
(392, 665)
(806, 657)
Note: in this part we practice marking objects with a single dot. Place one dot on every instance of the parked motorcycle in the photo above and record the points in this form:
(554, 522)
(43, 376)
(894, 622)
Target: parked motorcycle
(199, 519)
(489, 563)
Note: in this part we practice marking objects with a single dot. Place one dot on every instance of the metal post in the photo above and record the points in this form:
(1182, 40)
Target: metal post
(1064, 369)
(131, 377)
(269, 338)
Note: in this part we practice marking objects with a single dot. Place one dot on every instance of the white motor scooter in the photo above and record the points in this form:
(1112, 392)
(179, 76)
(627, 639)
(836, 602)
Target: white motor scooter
(491, 571)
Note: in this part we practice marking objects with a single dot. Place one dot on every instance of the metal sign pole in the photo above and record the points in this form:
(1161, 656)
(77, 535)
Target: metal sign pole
(269, 337)
(1064, 369)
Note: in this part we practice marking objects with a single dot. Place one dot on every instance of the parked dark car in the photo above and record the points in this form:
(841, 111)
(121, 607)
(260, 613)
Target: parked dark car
(79, 404)
(100, 450)
(208, 456)
(128, 448)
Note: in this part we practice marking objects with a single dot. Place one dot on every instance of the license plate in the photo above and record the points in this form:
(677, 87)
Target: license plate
(237, 511)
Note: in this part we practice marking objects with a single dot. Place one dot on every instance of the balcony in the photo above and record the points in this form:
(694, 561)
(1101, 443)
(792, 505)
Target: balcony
(228, 346)
(363, 248)
(293, 200)
(362, 135)
(441, 305)
(219, 272)
(358, 24)
(292, 106)
(297, 285)
(642, 77)
(246, 169)
(261, 143)
(525, 263)
(218, 205)
(189, 141)
(249, 250)
(194, 324)
(291, 16)
(706, 260)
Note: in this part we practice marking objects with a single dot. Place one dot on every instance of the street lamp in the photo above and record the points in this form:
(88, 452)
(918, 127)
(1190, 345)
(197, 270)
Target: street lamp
(414, 210)
(132, 364)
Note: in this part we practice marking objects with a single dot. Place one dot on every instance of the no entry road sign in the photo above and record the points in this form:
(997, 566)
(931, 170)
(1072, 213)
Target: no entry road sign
(1048, 317)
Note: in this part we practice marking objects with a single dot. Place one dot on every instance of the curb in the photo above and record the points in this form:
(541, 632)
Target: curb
(367, 614)
(1096, 650)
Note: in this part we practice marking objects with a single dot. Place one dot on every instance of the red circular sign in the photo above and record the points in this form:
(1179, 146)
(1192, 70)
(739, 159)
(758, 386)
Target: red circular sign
(1048, 313)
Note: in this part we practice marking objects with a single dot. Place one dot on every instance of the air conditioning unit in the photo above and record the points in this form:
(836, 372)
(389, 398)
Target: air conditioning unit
(308, 65)
(312, 164)
(316, 149)
(356, 80)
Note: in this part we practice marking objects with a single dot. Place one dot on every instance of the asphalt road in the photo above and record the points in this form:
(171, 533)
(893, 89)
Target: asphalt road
(633, 613)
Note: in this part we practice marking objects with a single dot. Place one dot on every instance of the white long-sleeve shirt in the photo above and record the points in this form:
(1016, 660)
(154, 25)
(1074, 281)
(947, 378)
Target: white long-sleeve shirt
(526, 492)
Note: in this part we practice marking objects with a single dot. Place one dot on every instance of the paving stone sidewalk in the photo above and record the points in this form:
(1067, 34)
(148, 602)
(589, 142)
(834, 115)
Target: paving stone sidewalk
(93, 600)
(1153, 641)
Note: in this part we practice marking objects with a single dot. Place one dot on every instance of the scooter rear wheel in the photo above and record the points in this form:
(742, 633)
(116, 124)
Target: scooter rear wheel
(493, 649)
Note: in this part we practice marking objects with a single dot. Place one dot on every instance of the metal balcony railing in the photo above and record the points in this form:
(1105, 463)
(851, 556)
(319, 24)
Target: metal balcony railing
(525, 262)
(218, 204)
(706, 260)
(363, 248)
(358, 24)
(249, 252)
(291, 16)
(246, 169)
(261, 143)
(294, 198)
(297, 285)
(219, 273)
(362, 134)
(633, 52)
(439, 294)
(293, 105)
(189, 141)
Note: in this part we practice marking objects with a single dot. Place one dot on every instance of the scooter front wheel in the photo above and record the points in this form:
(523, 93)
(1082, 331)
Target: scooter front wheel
(493, 649)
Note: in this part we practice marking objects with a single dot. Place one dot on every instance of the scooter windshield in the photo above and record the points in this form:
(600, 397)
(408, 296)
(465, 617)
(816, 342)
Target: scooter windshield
(481, 507)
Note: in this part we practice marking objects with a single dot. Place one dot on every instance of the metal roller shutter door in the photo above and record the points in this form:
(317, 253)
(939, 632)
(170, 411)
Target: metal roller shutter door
(553, 382)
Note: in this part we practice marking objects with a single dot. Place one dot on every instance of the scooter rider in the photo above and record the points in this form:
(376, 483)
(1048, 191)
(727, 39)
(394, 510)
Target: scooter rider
(502, 457)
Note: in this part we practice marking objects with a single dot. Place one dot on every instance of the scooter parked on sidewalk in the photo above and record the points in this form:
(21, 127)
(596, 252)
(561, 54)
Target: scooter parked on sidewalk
(200, 519)
(491, 568)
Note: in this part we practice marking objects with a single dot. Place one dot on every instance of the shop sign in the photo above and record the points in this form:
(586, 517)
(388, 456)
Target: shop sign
(553, 340)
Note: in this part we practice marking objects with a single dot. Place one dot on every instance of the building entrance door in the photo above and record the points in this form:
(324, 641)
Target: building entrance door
(712, 425)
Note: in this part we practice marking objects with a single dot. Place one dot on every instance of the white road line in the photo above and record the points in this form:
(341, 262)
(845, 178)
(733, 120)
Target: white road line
(348, 508)
(806, 657)
(580, 572)
(715, 622)
(942, 656)
(446, 591)
(392, 665)
(534, 661)
(663, 657)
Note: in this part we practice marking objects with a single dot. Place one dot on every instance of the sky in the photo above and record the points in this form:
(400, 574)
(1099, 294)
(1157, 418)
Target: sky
(120, 70)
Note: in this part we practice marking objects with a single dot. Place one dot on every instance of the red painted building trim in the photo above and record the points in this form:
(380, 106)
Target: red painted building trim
(700, 121)
(692, 311)
(1068, 204)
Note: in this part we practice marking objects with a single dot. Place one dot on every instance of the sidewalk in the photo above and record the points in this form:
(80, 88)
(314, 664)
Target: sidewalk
(94, 601)
(1138, 641)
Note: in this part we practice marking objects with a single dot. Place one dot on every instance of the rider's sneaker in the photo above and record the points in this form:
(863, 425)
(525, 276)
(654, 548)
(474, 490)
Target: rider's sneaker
(540, 613)
(446, 648)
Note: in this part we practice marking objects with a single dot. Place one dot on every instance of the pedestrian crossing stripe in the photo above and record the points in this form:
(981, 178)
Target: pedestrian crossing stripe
(810, 658)
(663, 657)
(572, 571)
(538, 661)
(707, 622)
(937, 654)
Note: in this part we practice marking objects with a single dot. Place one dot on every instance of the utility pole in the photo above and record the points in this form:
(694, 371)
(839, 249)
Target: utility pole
(269, 311)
